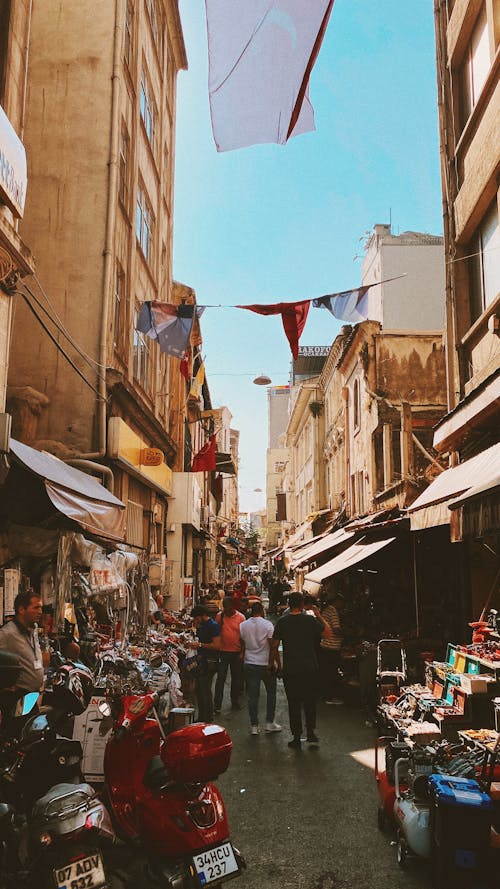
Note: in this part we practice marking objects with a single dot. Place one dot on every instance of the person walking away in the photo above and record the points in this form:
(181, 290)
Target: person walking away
(20, 637)
(329, 653)
(256, 635)
(300, 634)
(229, 620)
(208, 633)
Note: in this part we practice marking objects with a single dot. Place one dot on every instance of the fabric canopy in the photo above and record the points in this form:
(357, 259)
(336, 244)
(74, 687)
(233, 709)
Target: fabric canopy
(358, 552)
(431, 508)
(75, 494)
(329, 541)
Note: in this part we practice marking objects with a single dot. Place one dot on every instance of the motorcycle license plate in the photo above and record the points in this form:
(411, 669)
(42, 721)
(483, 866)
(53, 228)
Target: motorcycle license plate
(215, 864)
(87, 873)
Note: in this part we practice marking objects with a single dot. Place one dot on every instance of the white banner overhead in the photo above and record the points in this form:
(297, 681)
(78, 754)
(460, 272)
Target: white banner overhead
(261, 54)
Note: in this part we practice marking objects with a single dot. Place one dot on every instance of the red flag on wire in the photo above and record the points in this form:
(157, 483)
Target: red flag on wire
(185, 367)
(204, 460)
(293, 315)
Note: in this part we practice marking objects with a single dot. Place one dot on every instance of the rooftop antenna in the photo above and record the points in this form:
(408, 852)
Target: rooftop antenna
(390, 219)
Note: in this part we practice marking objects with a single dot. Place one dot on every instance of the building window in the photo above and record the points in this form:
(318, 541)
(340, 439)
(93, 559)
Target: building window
(141, 355)
(476, 65)
(356, 407)
(127, 36)
(144, 225)
(120, 312)
(148, 110)
(124, 169)
(485, 263)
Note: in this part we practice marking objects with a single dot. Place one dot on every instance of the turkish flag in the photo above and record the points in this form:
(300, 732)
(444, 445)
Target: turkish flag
(204, 460)
(293, 315)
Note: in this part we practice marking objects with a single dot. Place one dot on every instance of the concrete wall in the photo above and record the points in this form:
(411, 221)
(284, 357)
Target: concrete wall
(413, 302)
(69, 100)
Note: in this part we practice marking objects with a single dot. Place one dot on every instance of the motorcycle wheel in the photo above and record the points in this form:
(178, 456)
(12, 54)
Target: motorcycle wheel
(402, 851)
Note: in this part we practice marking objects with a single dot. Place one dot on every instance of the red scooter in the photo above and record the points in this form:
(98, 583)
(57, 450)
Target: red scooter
(160, 793)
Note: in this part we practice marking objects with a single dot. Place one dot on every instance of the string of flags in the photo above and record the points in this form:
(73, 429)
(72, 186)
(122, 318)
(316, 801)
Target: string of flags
(176, 327)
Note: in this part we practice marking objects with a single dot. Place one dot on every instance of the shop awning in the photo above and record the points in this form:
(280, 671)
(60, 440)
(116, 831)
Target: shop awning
(329, 541)
(358, 552)
(75, 494)
(431, 508)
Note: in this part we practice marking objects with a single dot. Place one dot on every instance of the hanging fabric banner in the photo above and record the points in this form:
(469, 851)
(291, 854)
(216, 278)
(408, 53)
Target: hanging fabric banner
(204, 460)
(185, 365)
(260, 57)
(293, 315)
(197, 384)
(171, 325)
(350, 306)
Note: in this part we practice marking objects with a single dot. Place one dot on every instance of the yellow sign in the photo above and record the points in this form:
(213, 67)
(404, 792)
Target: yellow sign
(125, 446)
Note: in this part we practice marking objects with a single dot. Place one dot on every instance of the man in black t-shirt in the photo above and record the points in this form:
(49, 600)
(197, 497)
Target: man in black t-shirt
(300, 634)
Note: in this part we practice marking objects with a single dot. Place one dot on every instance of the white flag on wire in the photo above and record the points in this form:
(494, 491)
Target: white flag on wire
(260, 55)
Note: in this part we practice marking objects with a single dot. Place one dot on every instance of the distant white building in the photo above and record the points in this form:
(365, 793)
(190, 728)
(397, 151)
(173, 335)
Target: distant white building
(415, 301)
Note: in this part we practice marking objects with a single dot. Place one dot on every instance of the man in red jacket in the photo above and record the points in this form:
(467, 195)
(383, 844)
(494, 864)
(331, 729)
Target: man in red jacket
(230, 653)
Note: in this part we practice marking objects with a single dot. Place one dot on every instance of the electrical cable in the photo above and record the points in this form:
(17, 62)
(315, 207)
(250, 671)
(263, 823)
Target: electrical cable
(58, 345)
(56, 321)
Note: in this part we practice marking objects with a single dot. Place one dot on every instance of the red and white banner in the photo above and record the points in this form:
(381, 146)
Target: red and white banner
(260, 57)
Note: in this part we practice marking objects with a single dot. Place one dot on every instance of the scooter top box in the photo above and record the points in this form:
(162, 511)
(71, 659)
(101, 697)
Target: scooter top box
(198, 752)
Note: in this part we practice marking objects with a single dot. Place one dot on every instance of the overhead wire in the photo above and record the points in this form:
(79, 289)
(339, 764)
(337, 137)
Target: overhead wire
(57, 344)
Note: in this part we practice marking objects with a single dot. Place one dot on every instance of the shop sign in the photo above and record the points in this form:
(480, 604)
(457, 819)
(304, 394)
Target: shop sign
(314, 351)
(151, 457)
(476, 518)
(125, 446)
(13, 170)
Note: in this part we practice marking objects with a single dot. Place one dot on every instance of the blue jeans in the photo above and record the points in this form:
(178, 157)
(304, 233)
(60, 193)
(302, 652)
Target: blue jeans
(254, 675)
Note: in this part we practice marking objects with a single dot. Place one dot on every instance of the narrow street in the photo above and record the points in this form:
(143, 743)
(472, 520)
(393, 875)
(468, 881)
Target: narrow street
(307, 819)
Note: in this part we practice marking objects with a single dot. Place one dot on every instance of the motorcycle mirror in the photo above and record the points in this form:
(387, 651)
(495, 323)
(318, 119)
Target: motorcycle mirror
(104, 708)
(29, 702)
(156, 661)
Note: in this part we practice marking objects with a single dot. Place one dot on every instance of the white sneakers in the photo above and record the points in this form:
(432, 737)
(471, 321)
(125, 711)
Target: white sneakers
(270, 727)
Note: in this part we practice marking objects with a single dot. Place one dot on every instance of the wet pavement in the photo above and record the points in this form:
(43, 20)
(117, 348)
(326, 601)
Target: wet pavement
(307, 819)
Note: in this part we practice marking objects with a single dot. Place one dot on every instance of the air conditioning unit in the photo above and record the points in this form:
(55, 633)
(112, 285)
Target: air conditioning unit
(157, 570)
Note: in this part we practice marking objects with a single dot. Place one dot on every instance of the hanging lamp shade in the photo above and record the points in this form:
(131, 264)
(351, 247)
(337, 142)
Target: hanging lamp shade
(262, 380)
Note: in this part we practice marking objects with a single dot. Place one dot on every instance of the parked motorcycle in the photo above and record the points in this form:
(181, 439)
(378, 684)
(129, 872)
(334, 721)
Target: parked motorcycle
(54, 827)
(161, 794)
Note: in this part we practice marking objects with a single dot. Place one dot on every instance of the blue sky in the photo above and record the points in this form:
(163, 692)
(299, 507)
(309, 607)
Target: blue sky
(276, 223)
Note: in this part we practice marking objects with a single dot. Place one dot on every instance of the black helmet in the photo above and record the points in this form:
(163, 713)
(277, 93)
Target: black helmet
(72, 686)
(9, 669)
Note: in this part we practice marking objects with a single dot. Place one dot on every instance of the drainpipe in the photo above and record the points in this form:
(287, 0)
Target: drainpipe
(97, 467)
(108, 252)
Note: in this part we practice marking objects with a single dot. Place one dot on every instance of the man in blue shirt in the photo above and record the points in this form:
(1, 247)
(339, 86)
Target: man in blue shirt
(208, 633)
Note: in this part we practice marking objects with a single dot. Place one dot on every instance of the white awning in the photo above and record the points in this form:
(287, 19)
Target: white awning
(432, 507)
(78, 496)
(329, 541)
(358, 552)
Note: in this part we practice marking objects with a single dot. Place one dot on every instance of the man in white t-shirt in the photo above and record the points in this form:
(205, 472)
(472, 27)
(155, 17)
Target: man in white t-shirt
(256, 634)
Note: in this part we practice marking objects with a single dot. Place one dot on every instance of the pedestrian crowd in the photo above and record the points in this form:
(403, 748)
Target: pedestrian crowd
(302, 647)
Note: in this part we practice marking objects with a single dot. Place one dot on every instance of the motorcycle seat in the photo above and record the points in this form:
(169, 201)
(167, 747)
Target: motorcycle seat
(156, 776)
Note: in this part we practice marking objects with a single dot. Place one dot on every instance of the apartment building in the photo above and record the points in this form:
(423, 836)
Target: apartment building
(99, 131)
(16, 260)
